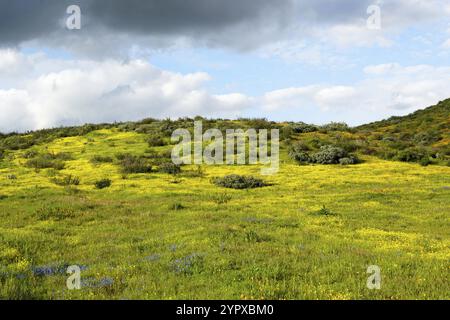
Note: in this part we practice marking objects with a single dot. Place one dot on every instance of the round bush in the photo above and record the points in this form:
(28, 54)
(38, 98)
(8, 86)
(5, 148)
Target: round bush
(302, 157)
(133, 164)
(329, 155)
(102, 184)
(348, 160)
(234, 181)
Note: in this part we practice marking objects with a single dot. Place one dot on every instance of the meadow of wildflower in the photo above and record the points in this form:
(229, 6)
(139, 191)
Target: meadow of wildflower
(309, 233)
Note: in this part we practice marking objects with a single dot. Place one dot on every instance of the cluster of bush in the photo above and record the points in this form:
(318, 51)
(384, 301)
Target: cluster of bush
(101, 159)
(418, 155)
(156, 141)
(48, 160)
(141, 164)
(234, 181)
(326, 155)
(301, 127)
(103, 183)
(16, 141)
(66, 181)
(134, 164)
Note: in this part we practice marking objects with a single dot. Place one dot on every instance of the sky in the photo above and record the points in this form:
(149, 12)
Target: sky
(318, 61)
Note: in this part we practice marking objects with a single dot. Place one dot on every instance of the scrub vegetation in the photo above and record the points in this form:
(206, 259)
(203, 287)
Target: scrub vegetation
(107, 198)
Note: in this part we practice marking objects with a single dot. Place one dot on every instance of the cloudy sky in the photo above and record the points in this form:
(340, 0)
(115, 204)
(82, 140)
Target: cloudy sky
(314, 61)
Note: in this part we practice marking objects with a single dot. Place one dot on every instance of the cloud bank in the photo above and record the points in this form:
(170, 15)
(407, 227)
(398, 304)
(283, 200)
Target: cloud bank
(59, 92)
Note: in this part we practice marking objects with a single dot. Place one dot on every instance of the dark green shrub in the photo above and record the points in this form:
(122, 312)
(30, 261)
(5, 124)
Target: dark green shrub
(329, 155)
(16, 142)
(335, 126)
(347, 145)
(302, 127)
(176, 206)
(43, 162)
(156, 141)
(411, 155)
(64, 156)
(348, 160)
(133, 164)
(169, 167)
(67, 181)
(239, 182)
(298, 152)
(286, 132)
(425, 162)
(102, 184)
(427, 138)
(122, 156)
(301, 156)
(101, 159)
(30, 154)
(152, 154)
(324, 212)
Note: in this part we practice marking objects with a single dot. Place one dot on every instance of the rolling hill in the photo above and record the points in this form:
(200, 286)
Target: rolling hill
(107, 198)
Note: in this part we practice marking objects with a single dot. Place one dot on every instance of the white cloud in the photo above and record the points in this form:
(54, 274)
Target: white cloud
(356, 35)
(70, 92)
(381, 68)
(388, 89)
(76, 92)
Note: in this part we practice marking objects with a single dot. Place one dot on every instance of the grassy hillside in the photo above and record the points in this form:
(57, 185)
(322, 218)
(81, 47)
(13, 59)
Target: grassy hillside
(156, 233)
(425, 132)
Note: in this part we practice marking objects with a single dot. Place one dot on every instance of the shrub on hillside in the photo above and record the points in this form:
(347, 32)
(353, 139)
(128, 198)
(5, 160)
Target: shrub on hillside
(134, 164)
(152, 154)
(329, 155)
(101, 159)
(49, 160)
(298, 152)
(156, 141)
(67, 181)
(286, 132)
(16, 142)
(335, 126)
(411, 155)
(348, 160)
(301, 156)
(103, 183)
(425, 162)
(44, 162)
(30, 154)
(169, 167)
(302, 127)
(234, 181)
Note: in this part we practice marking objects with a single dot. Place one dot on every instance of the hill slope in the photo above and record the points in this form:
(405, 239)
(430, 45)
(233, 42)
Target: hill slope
(422, 132)
(105, 197)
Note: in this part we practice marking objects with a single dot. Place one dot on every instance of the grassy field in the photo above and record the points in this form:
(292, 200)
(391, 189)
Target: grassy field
(156, 236)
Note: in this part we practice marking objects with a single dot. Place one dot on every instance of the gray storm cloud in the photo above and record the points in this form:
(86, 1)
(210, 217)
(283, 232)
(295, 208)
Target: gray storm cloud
(239, 24)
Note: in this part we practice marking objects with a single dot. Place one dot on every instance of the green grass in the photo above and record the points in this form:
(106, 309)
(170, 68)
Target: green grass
(310, 234)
